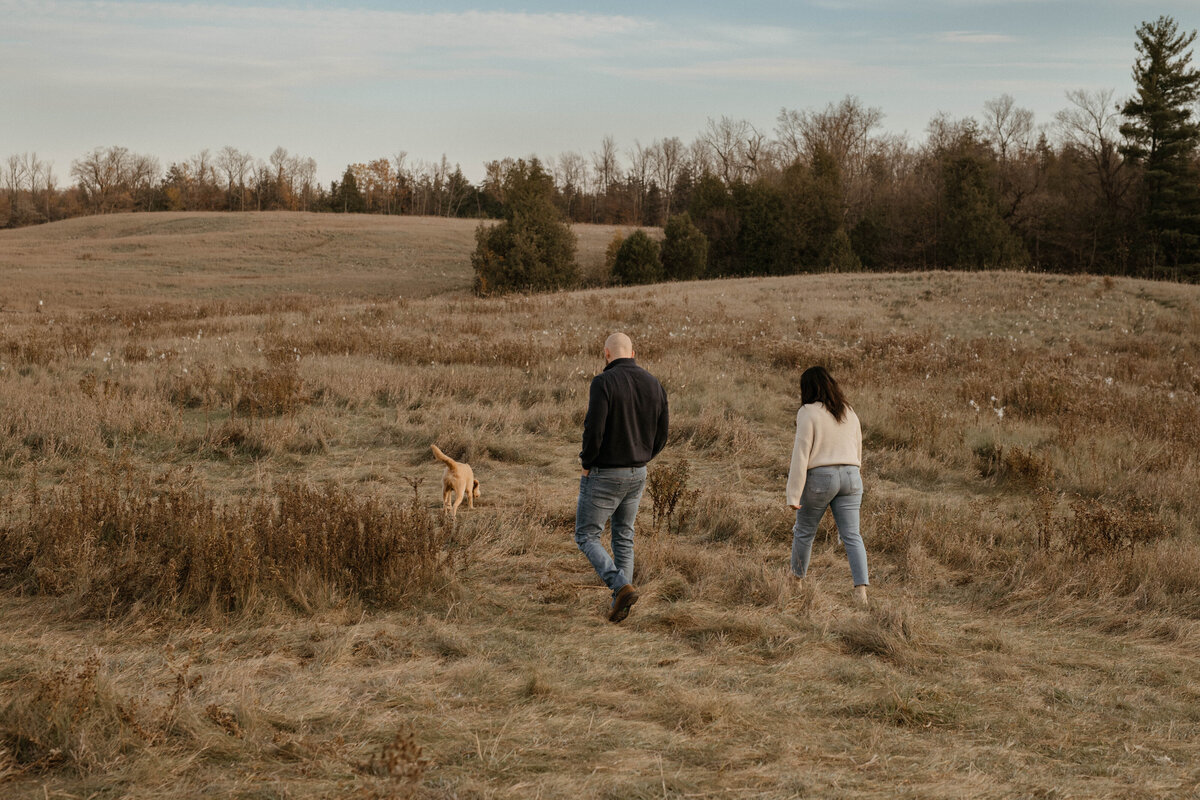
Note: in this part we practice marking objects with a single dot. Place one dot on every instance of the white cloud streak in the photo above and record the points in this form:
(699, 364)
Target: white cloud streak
(754, 69)
(973, 37)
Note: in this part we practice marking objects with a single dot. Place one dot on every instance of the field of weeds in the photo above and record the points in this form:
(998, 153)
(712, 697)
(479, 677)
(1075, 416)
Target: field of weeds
(224, 570)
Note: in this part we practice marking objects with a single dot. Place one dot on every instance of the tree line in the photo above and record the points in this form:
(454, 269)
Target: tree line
(1108, 185)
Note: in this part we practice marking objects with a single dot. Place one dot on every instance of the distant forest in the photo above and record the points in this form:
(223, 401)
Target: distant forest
(1111, 185)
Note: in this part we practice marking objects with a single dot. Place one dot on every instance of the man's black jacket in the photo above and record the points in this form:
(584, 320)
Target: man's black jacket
(626, 422)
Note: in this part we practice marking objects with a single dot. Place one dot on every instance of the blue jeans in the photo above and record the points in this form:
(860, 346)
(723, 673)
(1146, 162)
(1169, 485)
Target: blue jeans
(609, 493)
(839, 488)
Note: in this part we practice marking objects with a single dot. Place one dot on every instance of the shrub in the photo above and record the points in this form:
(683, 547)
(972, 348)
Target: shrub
(667, 486)
(1018, 466)
(118, 538)
(70, 719)
(258, 392)
(637, 260)
(684, 249)
(1098, 529)
(401, 762)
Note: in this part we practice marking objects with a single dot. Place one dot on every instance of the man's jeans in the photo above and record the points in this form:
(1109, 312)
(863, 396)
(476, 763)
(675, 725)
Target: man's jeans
(609, 493)
(838, 488)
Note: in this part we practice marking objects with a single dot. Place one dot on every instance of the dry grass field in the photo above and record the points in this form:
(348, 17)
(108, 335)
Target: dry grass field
(220, 581)
(195, 258)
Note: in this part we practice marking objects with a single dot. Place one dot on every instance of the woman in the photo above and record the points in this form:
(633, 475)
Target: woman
(824, 474)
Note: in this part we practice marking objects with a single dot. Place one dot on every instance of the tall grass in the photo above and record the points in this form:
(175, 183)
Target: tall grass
(117, 537)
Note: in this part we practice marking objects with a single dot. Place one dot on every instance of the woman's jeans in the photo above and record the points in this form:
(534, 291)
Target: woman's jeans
(839, 488)
(609, 493)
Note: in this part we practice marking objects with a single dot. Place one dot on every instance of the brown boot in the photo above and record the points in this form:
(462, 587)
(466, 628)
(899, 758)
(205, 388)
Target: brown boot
(623, 601)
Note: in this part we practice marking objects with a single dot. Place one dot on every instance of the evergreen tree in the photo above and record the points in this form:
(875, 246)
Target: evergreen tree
(637, 260)
(713, 211)
(347, 198)
(763, 244)
(974, 235)
(839, 255)
(684, 249)
(531, 249)
(813, 209)
(1161, 135)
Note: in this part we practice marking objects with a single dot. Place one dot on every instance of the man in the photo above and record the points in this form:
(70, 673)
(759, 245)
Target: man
(625, 427)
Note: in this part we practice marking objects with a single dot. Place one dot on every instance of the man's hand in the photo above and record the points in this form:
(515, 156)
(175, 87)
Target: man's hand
(794, 508)
(585, 472)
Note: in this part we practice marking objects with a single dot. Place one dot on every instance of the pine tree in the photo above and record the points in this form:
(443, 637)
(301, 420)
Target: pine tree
(1161, 134)
(637, 260)
(531, 249)
(840, 255)
(348, 199)
(684, 249)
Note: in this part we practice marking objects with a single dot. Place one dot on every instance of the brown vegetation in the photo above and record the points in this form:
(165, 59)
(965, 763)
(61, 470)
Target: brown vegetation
(211, 594)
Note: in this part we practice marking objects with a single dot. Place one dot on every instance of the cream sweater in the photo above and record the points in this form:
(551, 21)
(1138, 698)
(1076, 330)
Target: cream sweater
(822, 441)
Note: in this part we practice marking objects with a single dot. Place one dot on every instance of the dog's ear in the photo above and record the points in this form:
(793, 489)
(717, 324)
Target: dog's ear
(475, 487)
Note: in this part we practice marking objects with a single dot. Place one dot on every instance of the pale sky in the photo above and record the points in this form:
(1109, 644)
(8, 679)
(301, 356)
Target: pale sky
(363, 79)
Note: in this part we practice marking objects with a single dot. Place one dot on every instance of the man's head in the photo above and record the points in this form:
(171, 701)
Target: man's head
(617, 345)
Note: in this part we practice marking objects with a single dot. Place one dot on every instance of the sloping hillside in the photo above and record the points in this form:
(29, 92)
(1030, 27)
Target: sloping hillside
(199, 257)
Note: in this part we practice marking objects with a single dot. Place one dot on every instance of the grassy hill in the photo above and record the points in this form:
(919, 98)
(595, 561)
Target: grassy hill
(200, 257)
(1030, 464)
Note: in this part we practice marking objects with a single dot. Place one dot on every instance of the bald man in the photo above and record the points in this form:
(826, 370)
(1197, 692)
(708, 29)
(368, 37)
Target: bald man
(625, 427)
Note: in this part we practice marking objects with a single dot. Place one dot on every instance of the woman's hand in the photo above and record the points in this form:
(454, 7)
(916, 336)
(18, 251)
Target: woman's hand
(794, 508)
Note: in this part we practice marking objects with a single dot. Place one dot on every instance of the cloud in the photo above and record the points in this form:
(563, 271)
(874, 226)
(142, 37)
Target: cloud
(973, 37)
(130, 44)
(773, 69)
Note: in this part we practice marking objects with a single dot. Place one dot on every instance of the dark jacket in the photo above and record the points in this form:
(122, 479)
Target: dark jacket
(626, 423)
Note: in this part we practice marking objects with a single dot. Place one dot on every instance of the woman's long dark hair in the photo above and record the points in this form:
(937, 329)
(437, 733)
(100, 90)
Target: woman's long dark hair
(818, 386)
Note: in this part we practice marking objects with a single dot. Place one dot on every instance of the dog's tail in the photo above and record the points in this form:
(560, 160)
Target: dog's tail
(440, 456)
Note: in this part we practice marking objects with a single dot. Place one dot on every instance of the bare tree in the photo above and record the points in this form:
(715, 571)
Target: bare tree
(454, 187)
(846, 133)
(757, 153)
(405, 180)
(264, 181)
(234, 164)
(305, 170)
(1090, 135)
(604, 163)
(12, 183)
(47, 183)
(143, 172)
(280, 162)
(727, 141)
(1090, 128)
(571, 175)
(101, 175)
(641, 172)
(667, 166)
(1009, 129)
(700, 156)
(204, 177)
